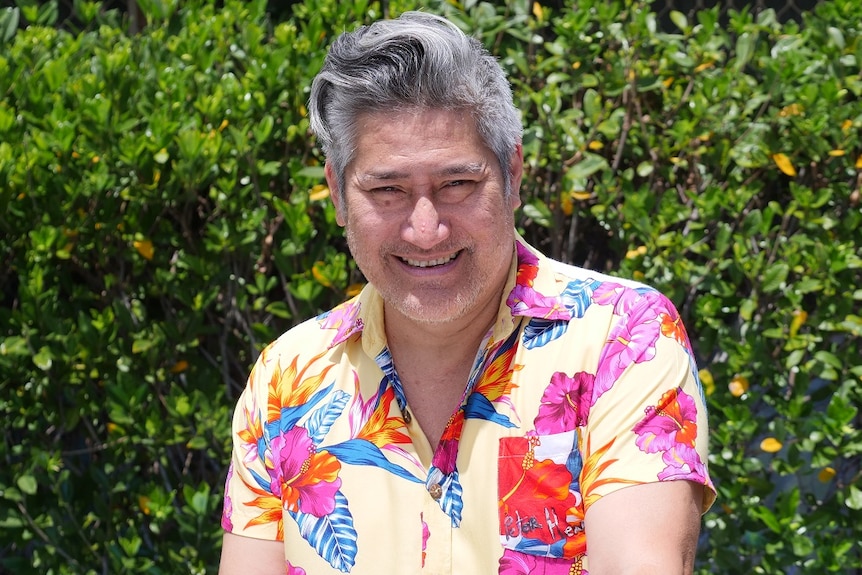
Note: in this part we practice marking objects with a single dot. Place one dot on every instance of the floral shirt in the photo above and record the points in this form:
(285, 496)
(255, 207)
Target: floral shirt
(585, 384)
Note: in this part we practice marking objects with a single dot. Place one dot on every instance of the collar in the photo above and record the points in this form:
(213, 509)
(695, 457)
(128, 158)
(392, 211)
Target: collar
(533, 289)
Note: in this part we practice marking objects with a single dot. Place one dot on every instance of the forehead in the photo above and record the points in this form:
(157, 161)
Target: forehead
(417, 138)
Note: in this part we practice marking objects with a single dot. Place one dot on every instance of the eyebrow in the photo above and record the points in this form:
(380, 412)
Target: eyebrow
(472, 168)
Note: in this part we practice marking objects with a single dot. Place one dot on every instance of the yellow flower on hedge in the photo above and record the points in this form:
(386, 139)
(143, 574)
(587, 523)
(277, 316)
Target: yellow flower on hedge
(538, 12)
(637, 252)
(567, 205)
(791, 110)
(316, 271)
(707, 381)
(144, 504)
(799, 317)
(738, 385)
(223, 125)
(595, 145)
(771, 445)
(318, 192)
(353, 289)
(704, 66)
(145, 248)
(826, 474)
(859, 162)
(784, 164)
(837, 153)
(180, 366)
(846, 125)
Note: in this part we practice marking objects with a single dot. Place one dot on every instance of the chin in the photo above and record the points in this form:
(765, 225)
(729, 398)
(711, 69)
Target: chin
(433, 312)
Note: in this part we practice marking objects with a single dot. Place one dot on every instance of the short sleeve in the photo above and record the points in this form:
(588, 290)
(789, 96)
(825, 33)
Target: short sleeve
(647, 421)
(250, 506)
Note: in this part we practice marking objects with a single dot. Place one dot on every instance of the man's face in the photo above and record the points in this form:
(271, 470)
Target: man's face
(426, 217)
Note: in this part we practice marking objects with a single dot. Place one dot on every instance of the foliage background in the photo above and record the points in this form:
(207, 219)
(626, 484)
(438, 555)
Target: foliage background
(163, 216)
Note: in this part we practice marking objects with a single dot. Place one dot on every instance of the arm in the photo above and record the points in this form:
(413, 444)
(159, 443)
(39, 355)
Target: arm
(241, 555)
(648, 529)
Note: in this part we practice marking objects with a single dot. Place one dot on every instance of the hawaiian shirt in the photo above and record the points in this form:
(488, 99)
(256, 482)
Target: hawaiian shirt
(584, 385)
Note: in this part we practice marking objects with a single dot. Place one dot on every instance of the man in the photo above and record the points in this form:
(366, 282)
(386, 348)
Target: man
(478, 408)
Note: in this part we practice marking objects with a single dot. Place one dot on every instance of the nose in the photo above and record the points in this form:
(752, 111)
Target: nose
(424, 227)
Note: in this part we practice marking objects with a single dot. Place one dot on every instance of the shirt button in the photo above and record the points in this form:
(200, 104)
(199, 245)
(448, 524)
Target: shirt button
(436, 491)
(407, 417)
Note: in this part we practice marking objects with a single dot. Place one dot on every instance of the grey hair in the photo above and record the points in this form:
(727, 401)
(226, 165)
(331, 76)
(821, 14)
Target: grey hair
(414, 62)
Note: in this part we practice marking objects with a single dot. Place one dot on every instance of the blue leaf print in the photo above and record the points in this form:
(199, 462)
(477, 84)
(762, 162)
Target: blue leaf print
(363, 452)
(451, 501)
(539, 332)
(478, 407)
(574, 464)
(322, 419)
(538, 547)
(262, 482)
(291, 415)
(578, 295)
(332, 536)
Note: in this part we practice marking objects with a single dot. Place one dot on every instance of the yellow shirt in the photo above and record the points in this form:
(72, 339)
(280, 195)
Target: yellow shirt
(586, 384)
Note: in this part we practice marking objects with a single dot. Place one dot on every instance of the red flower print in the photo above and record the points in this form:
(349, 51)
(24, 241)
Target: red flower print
(535, 499)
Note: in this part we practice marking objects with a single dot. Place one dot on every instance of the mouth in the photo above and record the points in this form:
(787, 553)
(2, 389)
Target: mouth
(430, 263)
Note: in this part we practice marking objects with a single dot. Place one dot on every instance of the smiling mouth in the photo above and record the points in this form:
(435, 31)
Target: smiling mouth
(430, 263)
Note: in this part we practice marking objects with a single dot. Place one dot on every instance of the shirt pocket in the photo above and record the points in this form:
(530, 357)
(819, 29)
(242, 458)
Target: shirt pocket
(541, 510)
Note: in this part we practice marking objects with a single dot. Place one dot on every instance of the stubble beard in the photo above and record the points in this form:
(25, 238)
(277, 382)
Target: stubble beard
(430, 302)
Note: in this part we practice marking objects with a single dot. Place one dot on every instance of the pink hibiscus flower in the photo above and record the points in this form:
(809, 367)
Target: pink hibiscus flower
(227, 510)
(305, 479)
(565, 403)
(683, 462)
(523, 299)
(631, 341)
(672, 422)
(345, 319)
(517, 563)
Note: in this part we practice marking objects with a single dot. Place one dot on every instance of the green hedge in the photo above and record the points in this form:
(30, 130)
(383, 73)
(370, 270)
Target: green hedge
(163, 216)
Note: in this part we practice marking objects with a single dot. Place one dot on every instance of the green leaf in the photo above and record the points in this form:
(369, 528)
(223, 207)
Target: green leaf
(316, 172)
(767, 517)
(589, 165)
(278, 309)
(27, 484)
(836, 36)
(162, 156)
(537, 211)
(9, 24)
(744, 50)
(43, 359)
(775, 277)
(264, 129)
(592, 105)
(854, 498)
(679, 20)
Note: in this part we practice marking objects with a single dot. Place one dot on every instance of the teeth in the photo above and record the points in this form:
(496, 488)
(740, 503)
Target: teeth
(430, 263)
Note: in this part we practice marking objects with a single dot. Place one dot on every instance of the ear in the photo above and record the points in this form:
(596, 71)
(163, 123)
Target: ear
(516, 172)
(335, 195)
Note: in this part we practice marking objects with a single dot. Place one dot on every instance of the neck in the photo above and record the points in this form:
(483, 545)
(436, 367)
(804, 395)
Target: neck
(462, 335)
